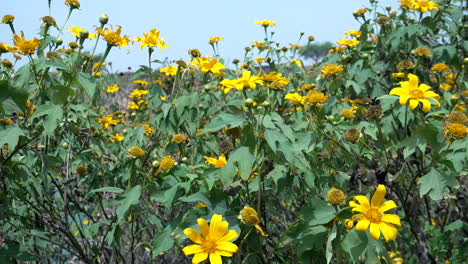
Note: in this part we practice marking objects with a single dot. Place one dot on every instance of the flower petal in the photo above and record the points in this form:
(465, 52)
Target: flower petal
(404, 99)
(391, 218)
(389, 231)
(429, 94)
(357, 207)
(374, 231)
(218, 228)
(387, 206)
(424, 87)
(192, 249)
(225, 253)
(199, 257)
(413, 103)
(215, 258)
(413, 80)
(363, 201)
(399, 91)
(362, 225)
(227, 246)
(204, 228)
(230, 235)
(426, 105)
(193, 235)
(378, 196)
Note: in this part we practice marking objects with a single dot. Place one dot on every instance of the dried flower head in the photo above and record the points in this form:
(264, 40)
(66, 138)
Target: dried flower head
(81, 170)
(383, 20)
(73, 4)
(178, 138)
(7, 64)
(457, 117)
(405, 65)
(195, 53)
(8, 19)
(374, 112)
(225, 146)
(235, 132)
(50, 21)
(53, 54)
(348, 113)
(335, 196)
(352, 135)
(422, 52)
(456, 131)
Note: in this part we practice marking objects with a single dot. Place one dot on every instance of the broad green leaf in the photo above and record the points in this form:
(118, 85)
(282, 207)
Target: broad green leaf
(355, 243)
(433, 184)
(245, 161)
(162, 241)
(196, 197)
(132, 196)
(320, 213)
(227, 173)
(277, 173)
(107, 189)
(87, 82)
(53, 112)
(10, 135)
(329, 250)
(224, 120)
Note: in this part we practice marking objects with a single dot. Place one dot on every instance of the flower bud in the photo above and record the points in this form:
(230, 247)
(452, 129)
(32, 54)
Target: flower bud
(103, 19)
(155, 163)
(84, 34)
(249, 102)
(59, 41)
(65, 145)
(388, 8)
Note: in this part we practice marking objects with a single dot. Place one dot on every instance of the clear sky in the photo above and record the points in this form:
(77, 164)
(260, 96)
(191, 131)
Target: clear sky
(187, 24)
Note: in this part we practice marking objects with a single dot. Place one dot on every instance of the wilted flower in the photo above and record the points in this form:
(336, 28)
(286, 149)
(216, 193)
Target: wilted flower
(178, 138)
(352, 135)
(81, 170)
(225, 146)
(8, 19)
(422, 52)
(249, 216)
(73, 4)
(405, 65)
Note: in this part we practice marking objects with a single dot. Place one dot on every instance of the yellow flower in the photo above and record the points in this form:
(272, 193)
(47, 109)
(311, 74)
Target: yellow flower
(214, 40)
(117, 137)
(424, 5)
(213, 241)
(217, 162)
(315, 97)
(457, 131)
(133, 106)
(8, 19)
(398, 75)
(265, 23)
(151, 40)
(275, 80)
(348, 42)
(248, 81)
(137, 93)
(259, 60)
(407, 4)
(6, 121)
(259, 45)
(249, 216)
(4, 48)
(422, 52)
(440, 67)
(212, 66)
(294, 98)
(167, 163)
(178, 138)
(348, 113)
(113, 38)
(335, 196)
(371, 215)
(76, 31)
(112, 88)
(360, 12)
(409, 91)
(85, 222)
(106, 121)
(26, 47)
(353, 33)
(331, 70)
(136, 152)
(169, 71)
(143, 83)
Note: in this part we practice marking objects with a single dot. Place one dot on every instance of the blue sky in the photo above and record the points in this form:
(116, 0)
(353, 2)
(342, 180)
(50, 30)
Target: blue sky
(187, 24)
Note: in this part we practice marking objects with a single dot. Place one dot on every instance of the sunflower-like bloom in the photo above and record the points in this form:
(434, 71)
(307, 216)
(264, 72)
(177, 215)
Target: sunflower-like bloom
(214, 40)
(410, 91)
(113, 38)
(4, 48)
(217, 162)
(106, 121)
(265, 23)
(213, 241)
(348, 42)
(169, 71)
(371, 215)
(424, 5)
(151, 39)
(178, 138)
(249, 81)
(331, 70)
(26, 47)
(112, 88)
(294, 98)
(136, 152)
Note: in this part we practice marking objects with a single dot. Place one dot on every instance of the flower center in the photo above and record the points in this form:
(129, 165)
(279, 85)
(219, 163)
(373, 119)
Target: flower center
(209, 245)
(417, 94)
(373, 215)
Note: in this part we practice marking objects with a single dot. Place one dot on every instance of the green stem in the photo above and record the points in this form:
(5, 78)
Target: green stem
(66, 21)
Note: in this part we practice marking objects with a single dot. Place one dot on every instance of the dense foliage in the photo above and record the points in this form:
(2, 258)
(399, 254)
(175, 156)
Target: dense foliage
(359, 159)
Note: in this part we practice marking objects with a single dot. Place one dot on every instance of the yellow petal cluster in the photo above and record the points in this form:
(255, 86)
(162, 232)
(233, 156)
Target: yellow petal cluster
(216, 162)
(113, 38)
(26, 47)
(151, 39)
(414, 94)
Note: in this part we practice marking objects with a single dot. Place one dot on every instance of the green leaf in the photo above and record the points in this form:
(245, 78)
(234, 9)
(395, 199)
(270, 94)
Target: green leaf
(53, 112)
(162, 241)
(196, 197)
(320, 213)
(355, 243)
(87, 82)
(10, 94)
(278, 173)
(227, 174)
(224, 120)
(433, 184)
(245, 161)
(132, 196)
(329, 250)
(60, 93)
(10, 135)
